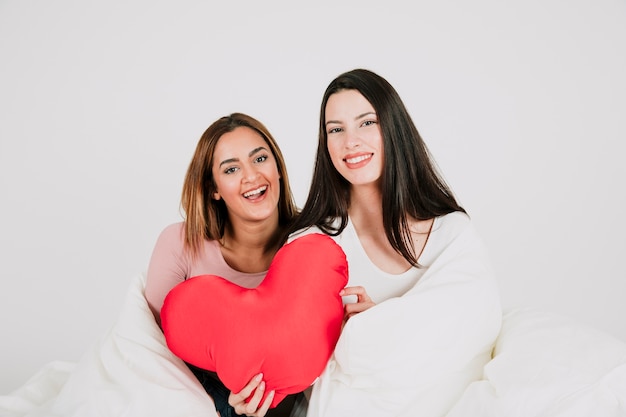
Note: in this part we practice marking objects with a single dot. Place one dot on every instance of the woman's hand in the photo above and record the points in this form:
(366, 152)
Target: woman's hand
(251, 408)
(363, 301)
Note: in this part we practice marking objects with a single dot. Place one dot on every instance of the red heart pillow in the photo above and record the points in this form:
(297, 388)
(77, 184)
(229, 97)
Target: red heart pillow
(287, 327)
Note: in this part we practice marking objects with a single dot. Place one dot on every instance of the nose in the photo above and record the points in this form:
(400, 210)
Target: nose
(250, 173)
(352, 139)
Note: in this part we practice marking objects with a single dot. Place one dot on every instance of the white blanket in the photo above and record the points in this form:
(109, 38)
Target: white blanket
(129, 372)
(548, 365)
(545, 365)
(414, 355)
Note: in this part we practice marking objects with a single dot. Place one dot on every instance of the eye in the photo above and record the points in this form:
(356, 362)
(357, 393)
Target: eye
(260, 158)
(369, 123)
(335, 130)
(230, 170)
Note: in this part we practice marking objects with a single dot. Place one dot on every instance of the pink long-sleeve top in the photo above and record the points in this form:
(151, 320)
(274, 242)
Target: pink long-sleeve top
(171, 263)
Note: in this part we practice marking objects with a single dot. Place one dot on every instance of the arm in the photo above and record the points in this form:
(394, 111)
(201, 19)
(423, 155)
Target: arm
(167, 267)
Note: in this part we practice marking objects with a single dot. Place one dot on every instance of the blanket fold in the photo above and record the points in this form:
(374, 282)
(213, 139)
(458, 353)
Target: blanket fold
(128, 372)
(414, 355)
(544, 364)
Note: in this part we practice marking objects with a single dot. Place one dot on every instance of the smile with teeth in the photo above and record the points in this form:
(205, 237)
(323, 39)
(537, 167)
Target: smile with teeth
(256, 192)
(358, 159)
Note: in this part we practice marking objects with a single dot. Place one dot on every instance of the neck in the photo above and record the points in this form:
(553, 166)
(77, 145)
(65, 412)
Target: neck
(366, 207)
(250, 235)
(245, 244)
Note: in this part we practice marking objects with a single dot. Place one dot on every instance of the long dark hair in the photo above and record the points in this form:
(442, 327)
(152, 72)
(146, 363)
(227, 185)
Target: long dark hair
(411, 184)
(205, 217)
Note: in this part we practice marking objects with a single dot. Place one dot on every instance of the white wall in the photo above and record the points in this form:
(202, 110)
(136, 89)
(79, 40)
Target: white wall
(101, 104)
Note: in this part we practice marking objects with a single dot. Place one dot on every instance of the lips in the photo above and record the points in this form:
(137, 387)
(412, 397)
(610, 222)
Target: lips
(358, 160)
(257, 192)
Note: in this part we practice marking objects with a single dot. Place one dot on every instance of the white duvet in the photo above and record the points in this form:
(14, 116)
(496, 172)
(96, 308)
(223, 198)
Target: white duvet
(414, 355)
(548, 365)
(544, 365)
(129, 372)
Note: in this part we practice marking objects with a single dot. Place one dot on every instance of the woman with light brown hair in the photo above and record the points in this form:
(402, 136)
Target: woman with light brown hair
(237, 202)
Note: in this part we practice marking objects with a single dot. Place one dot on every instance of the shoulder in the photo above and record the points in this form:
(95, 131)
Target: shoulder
(456, 233)
(454, 222)
(445, 230)
(303, 232)
(333, 222)
(173, 234)
(175, 229)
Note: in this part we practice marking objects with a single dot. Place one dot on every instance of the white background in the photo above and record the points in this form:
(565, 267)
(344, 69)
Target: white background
(523, 105)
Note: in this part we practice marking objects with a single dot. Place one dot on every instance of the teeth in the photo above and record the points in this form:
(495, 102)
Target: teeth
(255, 192)
(358, 159)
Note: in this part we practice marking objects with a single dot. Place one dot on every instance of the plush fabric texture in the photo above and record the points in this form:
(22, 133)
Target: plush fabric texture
(287, 327)
(414, 355)
(547, 364)
(129, 371)
(544, 366)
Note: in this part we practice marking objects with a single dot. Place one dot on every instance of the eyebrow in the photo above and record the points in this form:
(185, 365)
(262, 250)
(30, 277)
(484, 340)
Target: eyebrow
(360, 116)
(252, 152)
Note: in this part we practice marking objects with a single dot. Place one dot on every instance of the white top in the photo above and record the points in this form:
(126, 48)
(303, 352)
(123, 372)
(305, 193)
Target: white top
(381, 285)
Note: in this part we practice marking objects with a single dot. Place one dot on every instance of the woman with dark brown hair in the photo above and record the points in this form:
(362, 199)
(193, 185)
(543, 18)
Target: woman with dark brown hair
(422, 308)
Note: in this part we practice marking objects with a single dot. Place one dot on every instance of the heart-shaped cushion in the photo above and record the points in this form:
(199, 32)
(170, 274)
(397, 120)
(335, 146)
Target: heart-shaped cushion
(287, 327)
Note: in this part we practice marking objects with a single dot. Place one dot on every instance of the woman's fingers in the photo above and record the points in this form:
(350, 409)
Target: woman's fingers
(237, 398)
(250, 408)
(254, 391)
(352, 309)
(363, 301)
(361, 294)
(266, 405)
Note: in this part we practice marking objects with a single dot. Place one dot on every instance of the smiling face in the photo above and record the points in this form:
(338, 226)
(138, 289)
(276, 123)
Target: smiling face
(246, 176)
(355, 141)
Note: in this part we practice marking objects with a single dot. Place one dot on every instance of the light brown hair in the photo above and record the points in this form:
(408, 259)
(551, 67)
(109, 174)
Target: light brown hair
(206, 217)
